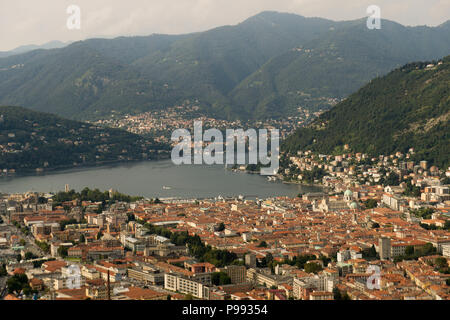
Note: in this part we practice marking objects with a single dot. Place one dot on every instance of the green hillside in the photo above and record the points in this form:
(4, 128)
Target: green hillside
(30, 140)
(264, 67)
(408, 108)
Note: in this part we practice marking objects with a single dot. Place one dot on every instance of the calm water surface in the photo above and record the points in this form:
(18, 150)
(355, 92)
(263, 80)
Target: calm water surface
(160, 179)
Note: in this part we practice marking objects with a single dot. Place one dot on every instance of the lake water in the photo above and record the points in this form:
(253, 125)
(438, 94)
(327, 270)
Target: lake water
(160, 179)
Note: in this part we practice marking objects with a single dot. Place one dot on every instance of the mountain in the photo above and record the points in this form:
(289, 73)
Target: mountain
(31, 140)
(336, 64)
(22, 49)
(267, 66)
(408, 108)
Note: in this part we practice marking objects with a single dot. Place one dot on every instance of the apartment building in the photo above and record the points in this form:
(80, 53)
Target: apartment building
(154, 277)
(259, 277)
(385, 248)
(238, 274)
(186, 285)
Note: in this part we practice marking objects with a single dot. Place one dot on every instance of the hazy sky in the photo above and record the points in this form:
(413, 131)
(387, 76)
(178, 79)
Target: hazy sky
(39, 21)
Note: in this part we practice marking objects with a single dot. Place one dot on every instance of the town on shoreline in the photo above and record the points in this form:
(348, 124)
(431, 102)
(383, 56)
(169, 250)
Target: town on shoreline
(379, 232)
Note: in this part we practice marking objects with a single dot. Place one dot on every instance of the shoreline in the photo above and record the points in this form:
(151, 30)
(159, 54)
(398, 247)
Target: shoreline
(60, 169)
(304, 184)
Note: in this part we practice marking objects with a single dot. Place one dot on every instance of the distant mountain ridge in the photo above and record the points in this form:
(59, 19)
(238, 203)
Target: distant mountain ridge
(22, 49)
(408, 108)
(267, 66)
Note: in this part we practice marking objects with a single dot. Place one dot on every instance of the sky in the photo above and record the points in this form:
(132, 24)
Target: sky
(24, 22)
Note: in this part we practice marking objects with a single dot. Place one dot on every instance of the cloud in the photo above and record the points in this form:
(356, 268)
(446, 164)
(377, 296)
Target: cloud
(26, 22)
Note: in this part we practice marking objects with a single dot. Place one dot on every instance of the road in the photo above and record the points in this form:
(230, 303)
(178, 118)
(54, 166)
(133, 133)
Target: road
(30, 245)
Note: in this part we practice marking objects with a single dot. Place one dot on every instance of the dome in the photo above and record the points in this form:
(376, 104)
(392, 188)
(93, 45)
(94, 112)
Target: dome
(353, 205)
(348, 193)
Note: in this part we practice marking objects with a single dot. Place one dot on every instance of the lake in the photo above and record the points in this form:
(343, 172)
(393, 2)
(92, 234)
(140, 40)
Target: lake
(160, 179)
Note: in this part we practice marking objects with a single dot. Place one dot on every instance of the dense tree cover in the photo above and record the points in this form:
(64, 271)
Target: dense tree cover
(411, 190)
(313, 267)
(220, 278)
(267, 66)
(44, 246)
(64, 223)
(339, 296)
(266, 262)
(38, 263)
(408, 108)
(262, 244)
(202, 252)
(3, 271)
(370, 203)
(308, 176)
(19, 283)
(424, 213)
(447, 225)
(441, 265)
(298, 261)
(29, 255)
(94, 196)
(434, 227)
(62, 251)
(428, 226)
(41, 140)
(313, 175)
(370, 253)
(392, 179)
(255, 167)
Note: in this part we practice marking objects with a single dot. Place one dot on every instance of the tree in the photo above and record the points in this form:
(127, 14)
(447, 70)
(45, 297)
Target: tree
(409, 250)
(62, 251)
(312, 267)
(3, 271)
(221, 227)
(441, 262)
(262, 244)
(370, 253)
(337, 294)
(64, 223)
(370, 203)
(220, 278)
(392, 180)
(17, 283)
(29, 255)
(447, 225)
